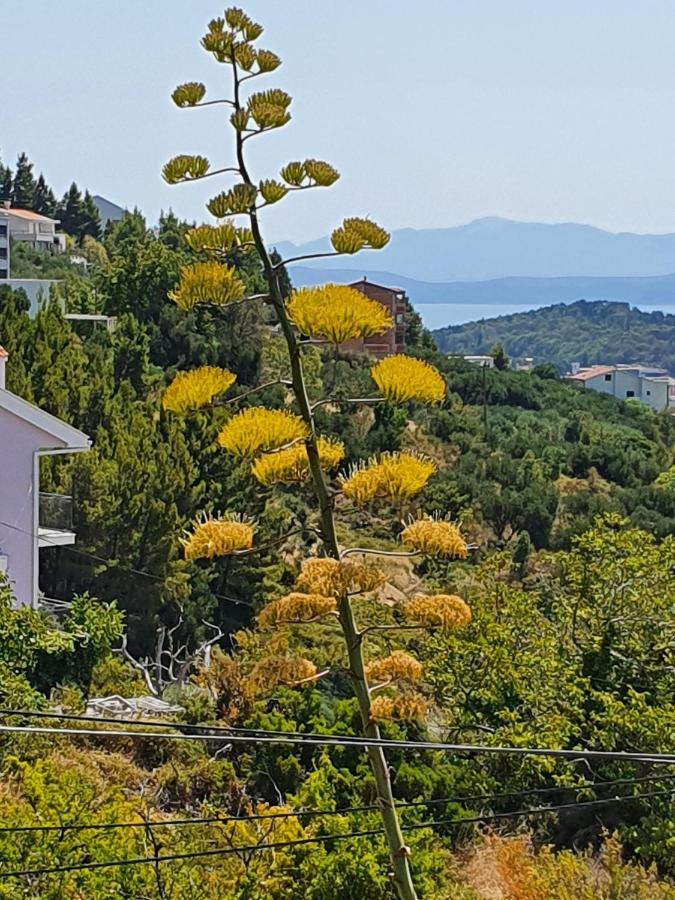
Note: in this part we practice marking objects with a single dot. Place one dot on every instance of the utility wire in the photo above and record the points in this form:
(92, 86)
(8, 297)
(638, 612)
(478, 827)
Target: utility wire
(313, 813)
(373, 832)
(661, 758)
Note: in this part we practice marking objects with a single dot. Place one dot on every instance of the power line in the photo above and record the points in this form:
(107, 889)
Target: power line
(660, 758)
(319, 839)
(313, 813)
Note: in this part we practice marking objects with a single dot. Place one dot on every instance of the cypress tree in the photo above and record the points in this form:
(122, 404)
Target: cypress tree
(7, 184)
(44, 200)
(24, 183)
(72, 213)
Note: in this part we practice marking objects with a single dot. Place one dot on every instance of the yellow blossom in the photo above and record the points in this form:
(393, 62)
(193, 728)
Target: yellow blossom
(401, 378)
(337, 313)
(272, 671)
(258, 428)
(218, 537)
(435, 538)
(407, 707)
(446, 611)
(208, 282)
(334, 577)
(393, 475)
(398, 666)
(190, 390)
(292, 465)
(295, 608)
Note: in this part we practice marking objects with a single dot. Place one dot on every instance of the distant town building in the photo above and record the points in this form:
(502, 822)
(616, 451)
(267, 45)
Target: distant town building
(392, 341)
(37, 231)
(650, 384)
(486, 362)
(108, 211)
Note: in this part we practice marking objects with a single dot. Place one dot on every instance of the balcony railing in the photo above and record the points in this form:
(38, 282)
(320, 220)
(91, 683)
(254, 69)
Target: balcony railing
(56, 512)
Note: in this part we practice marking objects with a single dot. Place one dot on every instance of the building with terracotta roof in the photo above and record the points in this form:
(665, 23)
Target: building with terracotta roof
(392, 341)
(649, 384)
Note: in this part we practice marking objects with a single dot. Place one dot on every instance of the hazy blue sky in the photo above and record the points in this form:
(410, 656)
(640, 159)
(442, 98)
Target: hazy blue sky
(435, 111)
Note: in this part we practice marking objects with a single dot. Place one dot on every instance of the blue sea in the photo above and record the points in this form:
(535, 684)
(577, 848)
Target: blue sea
(437, 315)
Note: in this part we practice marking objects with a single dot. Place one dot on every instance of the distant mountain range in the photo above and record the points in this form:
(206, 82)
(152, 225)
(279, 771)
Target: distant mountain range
(584, 332)
(495, 248)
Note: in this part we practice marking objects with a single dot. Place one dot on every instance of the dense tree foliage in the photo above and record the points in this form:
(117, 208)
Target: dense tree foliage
(584, 332)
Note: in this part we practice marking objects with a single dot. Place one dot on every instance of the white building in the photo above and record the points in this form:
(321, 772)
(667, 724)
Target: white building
(483, 361)
(649, 384)
(30, 520)
(29, 227)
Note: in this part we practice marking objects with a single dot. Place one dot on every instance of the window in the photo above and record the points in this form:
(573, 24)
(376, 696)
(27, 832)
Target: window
(649, 393)
(45, 227)
(3, 229)
(3, 273)
(630, 393)
(608, 376)
(399, 318)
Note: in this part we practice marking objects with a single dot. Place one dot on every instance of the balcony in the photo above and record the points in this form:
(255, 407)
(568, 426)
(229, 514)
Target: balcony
(56, 520)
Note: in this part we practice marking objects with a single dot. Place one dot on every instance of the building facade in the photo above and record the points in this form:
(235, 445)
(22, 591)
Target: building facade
(392, 341)
(30, 520)
(4, 244)
(651, 385)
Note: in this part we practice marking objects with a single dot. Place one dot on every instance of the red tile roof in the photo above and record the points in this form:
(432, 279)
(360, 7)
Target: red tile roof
(27, 214)
(591, 372)
(3, 353)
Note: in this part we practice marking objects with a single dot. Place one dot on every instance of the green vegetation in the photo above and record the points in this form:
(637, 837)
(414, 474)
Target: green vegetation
(566, 499)
(585, 332)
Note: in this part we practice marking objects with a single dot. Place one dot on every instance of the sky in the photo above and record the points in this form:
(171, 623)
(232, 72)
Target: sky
(436, 112)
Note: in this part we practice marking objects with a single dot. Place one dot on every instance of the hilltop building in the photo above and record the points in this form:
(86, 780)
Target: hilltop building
(392, 341)
(36, 231)
(650, 384)
(30, 519)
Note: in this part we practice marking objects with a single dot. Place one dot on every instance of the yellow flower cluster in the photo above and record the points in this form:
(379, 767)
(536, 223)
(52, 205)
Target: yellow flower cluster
(257, 428)
(295, 608)
(358, 234)
(190, 390)
(407, 707)
(446, 611)
(393, 475)
(188, 94)
(208, 282)
(218, 537)
(337, 313)
(398, 666)
(435, 538)
(185, 168)
(217, 239)
(333, 577)
(400, 378)
(291, 465)
(276, 670)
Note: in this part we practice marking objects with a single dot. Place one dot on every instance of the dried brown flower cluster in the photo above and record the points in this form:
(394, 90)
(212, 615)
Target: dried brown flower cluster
(407, 707)
(273, 671)
(435, 538)
(334, 577)
(398, 666)
(446, 611)
(295, 608)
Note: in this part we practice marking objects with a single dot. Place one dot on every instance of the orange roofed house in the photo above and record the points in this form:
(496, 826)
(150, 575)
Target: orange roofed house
(392, 341)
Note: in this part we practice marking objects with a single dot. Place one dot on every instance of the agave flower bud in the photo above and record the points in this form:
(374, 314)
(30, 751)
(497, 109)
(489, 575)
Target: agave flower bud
(445, 611)
(240, 119)
(334, 577)
(188, 94)
(217, 26)
(296, 608)
(294, 173)
(346, 242)
(267, 61)
(245, 56)
(218, 537)
(373, 235)
(197, 388)
(217, 239)
(396, 476)
(401, 378)
(272, 191)
(258, 428)
(208, 282)
(322, 173)
(252, 31)
(337, 313)
(236, 18)
(185, 168)
(406, 707)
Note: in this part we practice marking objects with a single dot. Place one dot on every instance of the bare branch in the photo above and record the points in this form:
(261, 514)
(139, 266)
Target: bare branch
(348, 400)
(285, 262)
(255, 390)
(397, 628)
(403, 554)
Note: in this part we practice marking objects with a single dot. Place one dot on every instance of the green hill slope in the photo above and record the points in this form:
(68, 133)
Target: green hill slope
(598, 332)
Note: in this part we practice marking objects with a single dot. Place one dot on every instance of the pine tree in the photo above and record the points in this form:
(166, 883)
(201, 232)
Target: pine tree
(71, 212)
(24, 184)
(92, 223)
(44, 200)
(282, 446)
(6, 185)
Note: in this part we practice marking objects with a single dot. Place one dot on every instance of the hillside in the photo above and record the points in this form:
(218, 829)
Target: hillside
(493, 248)
(587, 332)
